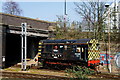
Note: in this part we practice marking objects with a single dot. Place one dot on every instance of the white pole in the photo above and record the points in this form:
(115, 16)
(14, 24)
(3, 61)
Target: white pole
(24, 46)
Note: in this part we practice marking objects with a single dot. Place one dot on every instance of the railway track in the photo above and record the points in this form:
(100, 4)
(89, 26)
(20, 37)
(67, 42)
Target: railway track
(31, 76)
(22, 75)
(107, 76)
(97, 75)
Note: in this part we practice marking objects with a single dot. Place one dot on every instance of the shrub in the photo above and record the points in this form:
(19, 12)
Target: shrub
(79, 72)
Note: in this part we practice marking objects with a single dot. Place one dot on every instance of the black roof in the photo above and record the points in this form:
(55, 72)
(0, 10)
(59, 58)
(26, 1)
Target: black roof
(83, 40)
(67, 41)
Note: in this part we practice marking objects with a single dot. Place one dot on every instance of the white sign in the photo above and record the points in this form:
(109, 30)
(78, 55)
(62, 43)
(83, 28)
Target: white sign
(3, 59)
(117, 60)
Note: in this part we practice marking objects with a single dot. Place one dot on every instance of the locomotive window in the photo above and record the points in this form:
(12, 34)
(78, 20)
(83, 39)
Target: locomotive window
(61, 48)
(78, 49)
(65, 47)
(82, 49)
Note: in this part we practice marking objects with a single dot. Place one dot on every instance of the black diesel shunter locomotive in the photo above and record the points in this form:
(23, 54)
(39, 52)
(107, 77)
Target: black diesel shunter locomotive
(69, 52)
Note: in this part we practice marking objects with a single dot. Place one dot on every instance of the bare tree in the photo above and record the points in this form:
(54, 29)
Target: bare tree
(61, 20)
(93, 13)
(11, 7)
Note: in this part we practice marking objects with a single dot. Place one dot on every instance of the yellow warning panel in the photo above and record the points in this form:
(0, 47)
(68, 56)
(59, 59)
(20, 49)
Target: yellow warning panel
(93, 51)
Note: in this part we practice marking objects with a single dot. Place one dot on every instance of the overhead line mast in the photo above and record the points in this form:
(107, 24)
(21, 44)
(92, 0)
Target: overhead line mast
(65, 12)
(65, 15)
